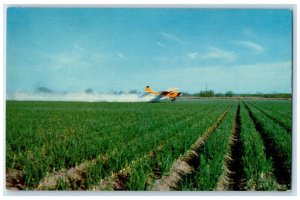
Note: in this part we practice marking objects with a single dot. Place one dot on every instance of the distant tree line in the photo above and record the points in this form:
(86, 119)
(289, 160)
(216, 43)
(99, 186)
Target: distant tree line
(211, 93)
(208, 93)
(273, 95)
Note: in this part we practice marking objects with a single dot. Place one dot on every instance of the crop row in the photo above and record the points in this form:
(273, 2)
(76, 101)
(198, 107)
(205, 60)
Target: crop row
(282, 108)
(279, 118)
(210, 157)
(257, 167)
(277, 143)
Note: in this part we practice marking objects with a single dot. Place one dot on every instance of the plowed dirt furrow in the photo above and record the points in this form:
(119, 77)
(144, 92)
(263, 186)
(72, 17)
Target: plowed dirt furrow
(232, 178)
(72, 177)
(187, 163)
(14, 180)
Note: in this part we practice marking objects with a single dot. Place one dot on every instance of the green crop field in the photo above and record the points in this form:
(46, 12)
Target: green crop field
(193, 145)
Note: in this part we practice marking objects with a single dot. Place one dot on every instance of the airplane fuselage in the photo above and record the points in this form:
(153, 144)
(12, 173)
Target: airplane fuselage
(172, 93)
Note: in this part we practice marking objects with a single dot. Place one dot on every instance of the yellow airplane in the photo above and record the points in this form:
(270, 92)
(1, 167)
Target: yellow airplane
(171, 93)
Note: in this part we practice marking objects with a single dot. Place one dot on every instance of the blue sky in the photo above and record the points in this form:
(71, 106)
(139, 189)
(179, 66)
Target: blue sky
(68, 49)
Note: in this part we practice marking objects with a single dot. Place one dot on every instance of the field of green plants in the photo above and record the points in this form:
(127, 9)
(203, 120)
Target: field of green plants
(193, 145)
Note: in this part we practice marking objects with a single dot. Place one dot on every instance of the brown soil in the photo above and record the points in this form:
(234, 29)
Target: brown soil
(232, 177)
(72, 177)
(14, 180)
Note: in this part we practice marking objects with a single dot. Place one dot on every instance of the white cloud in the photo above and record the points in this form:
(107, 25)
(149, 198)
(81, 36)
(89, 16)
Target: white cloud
(121, 55)
(193, 55)
(67, 60)
(162, 45)
(251, 45)
(83, 59)
(172, 37)
(79, 47)
(214, 53)
(248, 32)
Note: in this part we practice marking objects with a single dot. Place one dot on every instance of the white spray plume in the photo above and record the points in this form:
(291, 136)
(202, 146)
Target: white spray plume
(79, 96)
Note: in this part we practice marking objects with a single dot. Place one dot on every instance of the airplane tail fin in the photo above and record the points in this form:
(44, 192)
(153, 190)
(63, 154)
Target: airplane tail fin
(148, 89)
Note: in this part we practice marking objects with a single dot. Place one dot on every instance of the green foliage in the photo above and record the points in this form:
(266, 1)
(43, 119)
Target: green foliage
(272, 95)
(209, 93)
(211, 157)
(280, 137)
(219, 95)
(44, 137)
(258, 169)
(48, 137)
(229, 94)
(283, 119)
